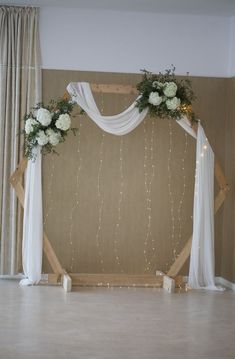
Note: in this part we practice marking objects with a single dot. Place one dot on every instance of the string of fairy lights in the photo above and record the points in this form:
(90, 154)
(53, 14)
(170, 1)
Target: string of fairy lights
(75, 202)
(100, 198)
(49, 192)
(176, 209)
(148, 181)
(182, 196)
(119, 216)
(170, 193)
(149, 173)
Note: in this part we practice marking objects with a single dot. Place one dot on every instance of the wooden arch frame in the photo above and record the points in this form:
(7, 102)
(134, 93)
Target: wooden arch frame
(168, 280)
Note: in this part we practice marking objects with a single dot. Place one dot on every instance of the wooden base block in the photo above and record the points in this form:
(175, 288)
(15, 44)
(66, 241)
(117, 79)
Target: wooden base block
(169, 284)
(67, 282)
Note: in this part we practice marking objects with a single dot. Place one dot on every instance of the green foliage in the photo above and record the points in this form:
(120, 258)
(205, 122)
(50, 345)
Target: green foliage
(56, 108)
(157, 83)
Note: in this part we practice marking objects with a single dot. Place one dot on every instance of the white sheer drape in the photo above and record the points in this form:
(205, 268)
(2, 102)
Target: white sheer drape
(201, 271)
(202, 262)
(33, 222)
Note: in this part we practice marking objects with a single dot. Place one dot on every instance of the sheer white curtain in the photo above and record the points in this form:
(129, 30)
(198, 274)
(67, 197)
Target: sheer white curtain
(33, 224)
(202, 261)
(20, 89)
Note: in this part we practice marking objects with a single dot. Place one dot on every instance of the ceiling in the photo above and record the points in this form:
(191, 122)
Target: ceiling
(197, 7)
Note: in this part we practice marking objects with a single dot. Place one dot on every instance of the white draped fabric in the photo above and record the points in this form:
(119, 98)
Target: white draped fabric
(201, 270)
(33, 222)
(120, 124)
(201, 273)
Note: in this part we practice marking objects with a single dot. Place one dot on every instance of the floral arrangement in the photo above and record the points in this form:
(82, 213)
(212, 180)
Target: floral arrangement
(165, 96)
(47, 126)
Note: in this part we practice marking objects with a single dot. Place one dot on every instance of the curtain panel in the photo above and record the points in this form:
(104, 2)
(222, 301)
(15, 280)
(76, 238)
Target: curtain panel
(20, 89)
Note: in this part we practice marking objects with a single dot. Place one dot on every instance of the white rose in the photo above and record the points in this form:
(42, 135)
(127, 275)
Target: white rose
(42, 138)
(63, 122)
(155, 99)
(170, 89)
(173, 103)
(44, 116)
(29, 125)
(53, 137)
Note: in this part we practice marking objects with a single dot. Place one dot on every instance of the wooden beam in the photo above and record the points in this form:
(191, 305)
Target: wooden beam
(219, 200)
(18, 174)
(19, 192)
(220, 177)
(181, 259)
(51, 256)
(116, 89)
(106, 88)
(116, 280)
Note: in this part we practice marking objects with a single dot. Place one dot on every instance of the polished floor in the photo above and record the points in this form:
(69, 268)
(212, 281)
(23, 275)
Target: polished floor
(121, 323)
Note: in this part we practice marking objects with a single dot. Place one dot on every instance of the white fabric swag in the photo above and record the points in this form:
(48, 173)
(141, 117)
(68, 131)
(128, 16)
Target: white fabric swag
(201, 274)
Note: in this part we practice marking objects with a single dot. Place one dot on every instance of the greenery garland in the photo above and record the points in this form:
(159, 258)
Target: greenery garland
(165, 96)
(47, 126)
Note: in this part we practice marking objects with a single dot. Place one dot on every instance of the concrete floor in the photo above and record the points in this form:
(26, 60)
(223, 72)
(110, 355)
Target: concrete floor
(121, 323)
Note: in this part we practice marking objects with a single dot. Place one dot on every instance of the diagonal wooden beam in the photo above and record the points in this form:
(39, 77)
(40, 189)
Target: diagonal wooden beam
(51, 256)
(220, 177)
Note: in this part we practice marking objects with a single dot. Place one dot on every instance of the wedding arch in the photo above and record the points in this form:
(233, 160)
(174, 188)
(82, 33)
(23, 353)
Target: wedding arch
(200, 244)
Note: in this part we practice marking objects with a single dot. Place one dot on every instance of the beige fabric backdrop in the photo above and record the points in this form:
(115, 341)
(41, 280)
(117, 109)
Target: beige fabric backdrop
(228, 249)
(20, 88)
(73, 210)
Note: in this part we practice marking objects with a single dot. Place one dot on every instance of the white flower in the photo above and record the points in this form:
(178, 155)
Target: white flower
(44, 116)
(53, 137)
(63, 122)
(155, 99)
(173, 103)
(42, 138)
(29, 125)
(170, 89)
